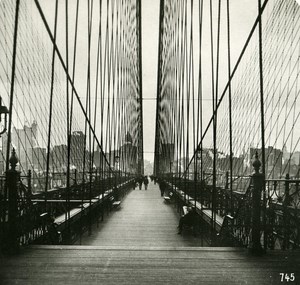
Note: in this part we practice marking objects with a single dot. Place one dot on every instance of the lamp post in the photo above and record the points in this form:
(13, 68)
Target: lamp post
(117, 165)
(118, 174)
(3, 117)
(171, 173)
(171, 165)
(131, 170)
(197, 172)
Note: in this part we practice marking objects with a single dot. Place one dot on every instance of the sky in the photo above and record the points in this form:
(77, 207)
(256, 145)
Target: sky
(243, 13)
(150, 25)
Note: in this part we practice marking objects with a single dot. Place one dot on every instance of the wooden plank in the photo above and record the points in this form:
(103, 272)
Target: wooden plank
(145, 220)
(96, 265)
(139, 245)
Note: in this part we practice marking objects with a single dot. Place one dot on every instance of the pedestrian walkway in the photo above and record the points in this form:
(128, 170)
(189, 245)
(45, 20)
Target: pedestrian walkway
(138, 244)
(143, 219)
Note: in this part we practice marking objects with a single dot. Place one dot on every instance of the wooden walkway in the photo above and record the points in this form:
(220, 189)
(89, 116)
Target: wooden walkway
(138, 244)
(147, 265)
(143, 219)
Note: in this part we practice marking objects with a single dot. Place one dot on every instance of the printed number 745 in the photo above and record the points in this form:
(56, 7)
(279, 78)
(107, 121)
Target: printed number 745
(287, 277)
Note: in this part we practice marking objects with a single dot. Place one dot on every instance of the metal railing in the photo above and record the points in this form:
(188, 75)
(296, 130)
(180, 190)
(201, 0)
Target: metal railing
(278, 207)
(59, 215)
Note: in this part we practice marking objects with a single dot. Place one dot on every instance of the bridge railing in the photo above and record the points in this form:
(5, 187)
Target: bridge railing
(58, 215)
(278, 207)
(283, 213)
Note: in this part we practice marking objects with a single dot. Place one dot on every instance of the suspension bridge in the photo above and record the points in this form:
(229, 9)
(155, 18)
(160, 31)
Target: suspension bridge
(75, 206)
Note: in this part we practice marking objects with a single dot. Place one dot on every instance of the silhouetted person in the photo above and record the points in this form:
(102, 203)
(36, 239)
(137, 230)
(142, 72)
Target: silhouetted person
(188, 219)
(146, 182)
(162, 187)
(140, 182)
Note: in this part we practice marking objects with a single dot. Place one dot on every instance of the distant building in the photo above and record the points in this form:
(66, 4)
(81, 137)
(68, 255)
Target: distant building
(38, 158)
(166, 158)
(237, 164)
(291, 164)
(128, 155)
(23, 140)
(273, 163)
(295, 158)
(59, 158)
(78, 148)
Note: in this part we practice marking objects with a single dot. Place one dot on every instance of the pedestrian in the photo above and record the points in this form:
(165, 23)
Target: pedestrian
(154, 179)
(188, 219)
(162, 187)
(146, 182)
(140, 181)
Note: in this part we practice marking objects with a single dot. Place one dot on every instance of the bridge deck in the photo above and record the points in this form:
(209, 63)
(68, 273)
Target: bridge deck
(138, 244)
(143, 219)
(146, 265)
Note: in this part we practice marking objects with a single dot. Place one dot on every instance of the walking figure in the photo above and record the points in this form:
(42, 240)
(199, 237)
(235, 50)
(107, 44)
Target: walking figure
(140, 182)
(162, 187)
(146, 182)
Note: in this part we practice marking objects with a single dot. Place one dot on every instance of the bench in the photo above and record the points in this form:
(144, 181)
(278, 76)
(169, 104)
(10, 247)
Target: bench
(184, 210)
(167, 199)
(193, 225)
(116, 204)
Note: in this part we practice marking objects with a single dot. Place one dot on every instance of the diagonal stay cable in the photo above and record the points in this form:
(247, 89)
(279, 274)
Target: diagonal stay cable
(230, 79)
(69, 78)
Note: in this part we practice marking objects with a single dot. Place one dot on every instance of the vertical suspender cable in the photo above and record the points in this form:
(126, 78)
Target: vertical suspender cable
(13, 75)
(70, 81)
(216, 117)
(99, 54)
(200, 111)
(68, 119)
(261, 86)
(262, 109)
(51, 105)
(158, 99)
(140, 88)
(233, 71)
(214, 121)
(230, 110)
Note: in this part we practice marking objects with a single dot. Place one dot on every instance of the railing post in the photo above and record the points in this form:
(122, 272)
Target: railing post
(258, 182)
(12, 181)
(29, 182)
(286, 203)
(227, 180)
(75, 178)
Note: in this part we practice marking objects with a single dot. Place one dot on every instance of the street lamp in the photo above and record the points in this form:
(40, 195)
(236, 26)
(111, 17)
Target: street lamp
(171, 166)
(199, 159)
(117, 162)
(3, 116)
(117, 165)
(171, 173)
